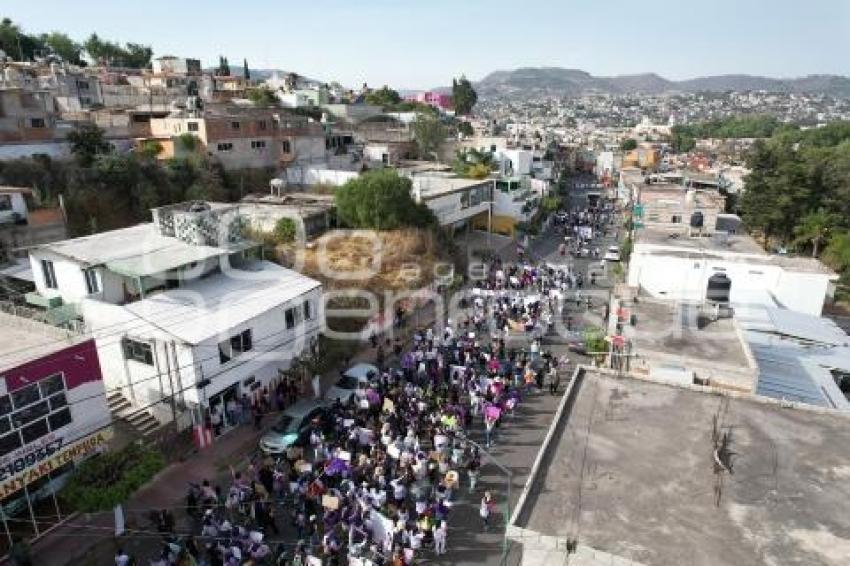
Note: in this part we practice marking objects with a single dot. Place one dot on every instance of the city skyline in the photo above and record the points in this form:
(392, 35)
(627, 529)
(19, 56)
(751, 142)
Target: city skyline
(422, 47)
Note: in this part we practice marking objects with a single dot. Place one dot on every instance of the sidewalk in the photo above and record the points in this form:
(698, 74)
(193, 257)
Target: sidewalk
(89, 540)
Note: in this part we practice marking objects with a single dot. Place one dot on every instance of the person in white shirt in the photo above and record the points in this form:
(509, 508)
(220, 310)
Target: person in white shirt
(440, 536)
(121, 558)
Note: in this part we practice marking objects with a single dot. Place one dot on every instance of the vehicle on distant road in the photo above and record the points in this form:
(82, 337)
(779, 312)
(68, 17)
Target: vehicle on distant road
(613, 254)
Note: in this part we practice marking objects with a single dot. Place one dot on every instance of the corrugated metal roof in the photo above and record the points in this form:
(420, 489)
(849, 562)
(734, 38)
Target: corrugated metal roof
(789, 323)
(794, 372)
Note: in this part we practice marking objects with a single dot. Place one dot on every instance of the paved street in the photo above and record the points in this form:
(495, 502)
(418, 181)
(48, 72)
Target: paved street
(516, 446)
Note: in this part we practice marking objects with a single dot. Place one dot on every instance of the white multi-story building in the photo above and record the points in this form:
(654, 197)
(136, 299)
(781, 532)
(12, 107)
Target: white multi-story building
(185, 318)
(671, 262)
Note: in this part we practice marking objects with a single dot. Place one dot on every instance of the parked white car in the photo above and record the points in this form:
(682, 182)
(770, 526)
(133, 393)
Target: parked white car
(613, 254)
(353, 383)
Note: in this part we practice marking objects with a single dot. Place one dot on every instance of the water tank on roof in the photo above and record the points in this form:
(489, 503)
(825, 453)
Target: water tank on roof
(199, 206)
(697, 220)
(719, 288)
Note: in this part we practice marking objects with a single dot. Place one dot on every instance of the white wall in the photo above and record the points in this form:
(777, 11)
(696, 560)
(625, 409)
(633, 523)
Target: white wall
(682, 278)
(70, 279)
(143, 384)
(307, 175)
(19, 207)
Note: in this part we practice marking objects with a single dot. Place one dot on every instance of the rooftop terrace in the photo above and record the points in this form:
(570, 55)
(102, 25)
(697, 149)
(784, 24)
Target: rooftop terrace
(630, 473)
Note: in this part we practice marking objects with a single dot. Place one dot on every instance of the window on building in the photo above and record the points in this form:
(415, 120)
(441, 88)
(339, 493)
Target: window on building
(26, 396)
(236, 345)
(286, 146)
(30, 413)
(224, 146)
(59, 419)
(37, 123)
(192, 126)
(92, 284)
(138, 351)
(48, 273)
(258, 144)
(293, 317)
(58, 401)
(40, 407)
(5, 202)
(5, 405)
(308, 310)
(10, 443)
(82, 85)
(50, 385)
(33, 432)
(676, 219)
(235, 125)
(261, 125)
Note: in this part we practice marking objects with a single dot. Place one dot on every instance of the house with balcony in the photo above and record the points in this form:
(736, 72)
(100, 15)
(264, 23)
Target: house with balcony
(184, 314)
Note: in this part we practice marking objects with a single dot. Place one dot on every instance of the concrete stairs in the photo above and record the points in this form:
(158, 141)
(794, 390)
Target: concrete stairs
(141, 421)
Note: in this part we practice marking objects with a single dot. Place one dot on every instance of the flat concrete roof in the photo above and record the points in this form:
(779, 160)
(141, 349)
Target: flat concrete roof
(25, 340)
(434, 185)
(673, 240)
(671, 328)
(212, 305)
(630, 471)
(138, 251)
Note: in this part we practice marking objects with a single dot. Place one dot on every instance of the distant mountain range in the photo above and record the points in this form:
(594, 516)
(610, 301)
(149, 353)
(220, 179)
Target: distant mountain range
(574, 82)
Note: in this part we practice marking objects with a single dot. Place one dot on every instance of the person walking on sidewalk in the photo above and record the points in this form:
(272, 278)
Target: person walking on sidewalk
(486, 509)
(554, 379)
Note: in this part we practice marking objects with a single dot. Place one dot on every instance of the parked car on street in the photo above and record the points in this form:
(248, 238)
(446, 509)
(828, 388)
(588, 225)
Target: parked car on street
(613, 254)
(353, 382)
(293, 426)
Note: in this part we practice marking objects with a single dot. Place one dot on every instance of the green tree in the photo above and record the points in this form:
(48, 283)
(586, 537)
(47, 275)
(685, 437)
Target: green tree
(188, 142)
(430, 134)
(628, 144)
(837, 252)
(262, 96)
(246, 73)
(16, 43)
(813, 230)
(87, 142)
(464, 96)
(465, 128)
(473, 163)
(137, 56)
(285, 230)
(384, 97)
(150, 149)
(63, 46)
(223, 69)
(132, 55)
(381, 200)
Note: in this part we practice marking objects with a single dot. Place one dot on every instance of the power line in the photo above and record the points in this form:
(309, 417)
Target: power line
(144, 322)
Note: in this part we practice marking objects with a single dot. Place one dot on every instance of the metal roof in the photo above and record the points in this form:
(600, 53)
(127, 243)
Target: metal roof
(791, 371)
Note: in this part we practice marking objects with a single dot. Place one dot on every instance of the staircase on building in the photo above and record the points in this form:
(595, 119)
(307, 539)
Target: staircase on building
(142, 421)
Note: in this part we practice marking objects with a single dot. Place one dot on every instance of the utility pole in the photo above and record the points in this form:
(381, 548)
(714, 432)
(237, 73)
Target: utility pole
(171, 387)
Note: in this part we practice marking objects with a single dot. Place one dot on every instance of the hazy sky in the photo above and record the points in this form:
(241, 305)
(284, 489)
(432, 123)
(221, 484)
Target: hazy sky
(420, 44)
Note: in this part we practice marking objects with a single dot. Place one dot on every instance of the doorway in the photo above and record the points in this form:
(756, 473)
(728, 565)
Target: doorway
(224, 410)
